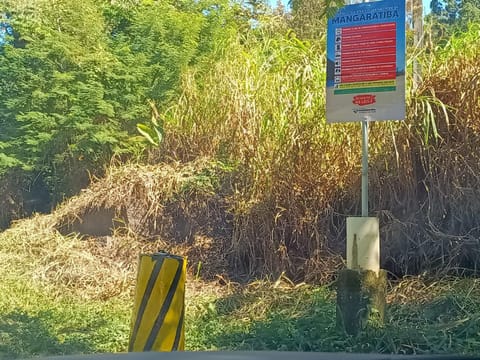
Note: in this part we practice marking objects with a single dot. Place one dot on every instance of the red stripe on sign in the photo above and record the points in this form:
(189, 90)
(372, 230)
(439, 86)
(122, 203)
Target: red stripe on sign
(368, 69)
(369, 44)
(361, 53)
(369, 37)
(368, 77)
(373, 27)
(369, 60)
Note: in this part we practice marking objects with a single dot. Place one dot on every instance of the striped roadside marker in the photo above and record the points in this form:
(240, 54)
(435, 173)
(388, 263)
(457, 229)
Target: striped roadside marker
(159, 308)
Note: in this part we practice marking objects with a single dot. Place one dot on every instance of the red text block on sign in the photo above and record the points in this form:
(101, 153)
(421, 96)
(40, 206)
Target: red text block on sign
(366, 53)
(369, 37)
(368, 77)
(369, 28)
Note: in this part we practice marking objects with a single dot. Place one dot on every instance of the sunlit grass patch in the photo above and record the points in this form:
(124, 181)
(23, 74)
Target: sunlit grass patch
(32, 322)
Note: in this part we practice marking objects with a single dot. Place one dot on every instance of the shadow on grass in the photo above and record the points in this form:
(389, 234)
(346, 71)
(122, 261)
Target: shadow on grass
(290, 322)
(305, 321)
(24, 335)
(268, 320)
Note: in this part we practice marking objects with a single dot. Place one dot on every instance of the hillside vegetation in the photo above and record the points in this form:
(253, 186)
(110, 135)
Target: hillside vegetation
(199, 127)
(249, 101)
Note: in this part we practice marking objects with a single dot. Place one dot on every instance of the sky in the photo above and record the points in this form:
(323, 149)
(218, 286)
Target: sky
(426, 4)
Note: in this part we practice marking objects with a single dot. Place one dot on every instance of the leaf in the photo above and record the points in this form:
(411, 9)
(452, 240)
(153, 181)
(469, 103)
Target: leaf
(159, 132)
(152, 136)
(8, 161)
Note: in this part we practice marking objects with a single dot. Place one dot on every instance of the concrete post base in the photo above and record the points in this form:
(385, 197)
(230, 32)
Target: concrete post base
(360, 299)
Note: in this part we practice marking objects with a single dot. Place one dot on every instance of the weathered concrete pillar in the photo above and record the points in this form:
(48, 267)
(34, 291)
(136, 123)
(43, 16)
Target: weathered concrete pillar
(360, 299)
(361, 289)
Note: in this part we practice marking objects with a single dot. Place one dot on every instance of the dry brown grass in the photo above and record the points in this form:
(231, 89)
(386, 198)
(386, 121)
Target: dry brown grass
(263, 108)
(145, 189)
(94, 268)
(33, 250)
(427, 195)
(264, 111)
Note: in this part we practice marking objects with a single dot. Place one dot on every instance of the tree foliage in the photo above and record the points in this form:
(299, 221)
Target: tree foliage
(80, 79)
(449, 16)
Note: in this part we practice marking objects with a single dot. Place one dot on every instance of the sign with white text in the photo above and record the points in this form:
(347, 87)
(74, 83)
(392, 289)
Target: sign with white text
(366, 62)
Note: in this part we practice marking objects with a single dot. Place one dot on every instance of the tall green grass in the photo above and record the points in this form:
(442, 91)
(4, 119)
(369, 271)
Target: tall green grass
(262, 108)
(36, 323)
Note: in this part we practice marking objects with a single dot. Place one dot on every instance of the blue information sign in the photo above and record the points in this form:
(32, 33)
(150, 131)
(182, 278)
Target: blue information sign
(366, 62)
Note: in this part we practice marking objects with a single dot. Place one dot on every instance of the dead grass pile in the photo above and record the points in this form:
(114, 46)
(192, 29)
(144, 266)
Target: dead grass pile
(139, 194)
(32, 249)
(170, 207)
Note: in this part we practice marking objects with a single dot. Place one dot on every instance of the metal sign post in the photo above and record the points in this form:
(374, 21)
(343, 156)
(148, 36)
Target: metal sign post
(364, 168)
(364, 146)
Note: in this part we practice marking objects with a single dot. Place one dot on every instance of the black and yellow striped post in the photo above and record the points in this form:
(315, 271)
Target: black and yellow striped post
(158, 318)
